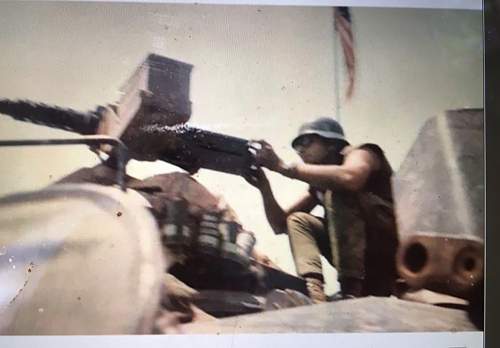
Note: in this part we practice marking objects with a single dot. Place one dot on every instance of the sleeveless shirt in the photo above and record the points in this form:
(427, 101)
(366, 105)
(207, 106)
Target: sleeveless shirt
(379, 181)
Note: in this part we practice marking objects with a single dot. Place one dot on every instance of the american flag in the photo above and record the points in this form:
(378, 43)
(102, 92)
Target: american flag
(343, 26)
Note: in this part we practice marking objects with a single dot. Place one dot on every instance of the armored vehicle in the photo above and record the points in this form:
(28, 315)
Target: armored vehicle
(101, 252)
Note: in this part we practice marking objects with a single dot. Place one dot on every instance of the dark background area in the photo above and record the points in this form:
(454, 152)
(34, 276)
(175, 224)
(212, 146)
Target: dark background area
(492, 109)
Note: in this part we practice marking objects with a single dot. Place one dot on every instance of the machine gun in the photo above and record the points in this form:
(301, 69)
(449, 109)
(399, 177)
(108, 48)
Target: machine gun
(168, 222)
(151, 120)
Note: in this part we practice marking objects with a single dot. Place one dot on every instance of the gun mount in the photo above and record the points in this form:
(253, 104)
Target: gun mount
(193, 237)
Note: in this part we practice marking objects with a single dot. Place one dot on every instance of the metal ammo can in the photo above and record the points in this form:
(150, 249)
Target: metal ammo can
(209, 236)
(177, 235)
(229, 250)
(245, 242)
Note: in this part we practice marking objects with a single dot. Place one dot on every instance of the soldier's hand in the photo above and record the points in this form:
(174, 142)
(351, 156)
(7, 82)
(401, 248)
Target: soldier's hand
(265, 155)
(257, 178)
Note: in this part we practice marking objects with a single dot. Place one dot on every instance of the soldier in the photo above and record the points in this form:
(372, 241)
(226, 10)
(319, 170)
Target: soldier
(358, 233)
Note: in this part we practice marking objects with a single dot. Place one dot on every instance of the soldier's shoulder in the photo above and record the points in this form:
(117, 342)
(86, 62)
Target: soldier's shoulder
(370, 147)
(376, 153)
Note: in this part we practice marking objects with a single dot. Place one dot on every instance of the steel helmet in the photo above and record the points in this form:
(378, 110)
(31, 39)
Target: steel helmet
(325, 127)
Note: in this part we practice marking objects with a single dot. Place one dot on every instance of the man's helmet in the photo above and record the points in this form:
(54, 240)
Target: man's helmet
(324, 127)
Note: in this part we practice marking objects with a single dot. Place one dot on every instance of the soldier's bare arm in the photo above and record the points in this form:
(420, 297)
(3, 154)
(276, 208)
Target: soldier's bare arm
(351, 175)
(276, 215)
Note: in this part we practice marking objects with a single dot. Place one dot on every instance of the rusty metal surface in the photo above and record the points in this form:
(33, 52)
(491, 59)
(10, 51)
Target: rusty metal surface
(73, 259)
(162, 188)
(372, 314)
(101, 174)
(158, 189)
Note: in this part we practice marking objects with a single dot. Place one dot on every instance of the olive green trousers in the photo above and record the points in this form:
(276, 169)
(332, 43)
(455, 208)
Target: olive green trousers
(358, 237)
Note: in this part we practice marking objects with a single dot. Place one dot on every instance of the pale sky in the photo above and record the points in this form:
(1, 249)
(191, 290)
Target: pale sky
(259, 72)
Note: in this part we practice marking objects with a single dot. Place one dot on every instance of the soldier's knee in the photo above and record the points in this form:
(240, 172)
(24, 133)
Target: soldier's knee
(298, 218)
(299, 223)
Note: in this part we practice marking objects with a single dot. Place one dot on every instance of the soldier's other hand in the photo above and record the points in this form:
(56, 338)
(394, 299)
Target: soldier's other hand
(257, 178)
(265, 155)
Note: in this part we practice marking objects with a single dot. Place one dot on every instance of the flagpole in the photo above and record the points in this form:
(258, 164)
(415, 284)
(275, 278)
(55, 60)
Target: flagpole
(336, 69)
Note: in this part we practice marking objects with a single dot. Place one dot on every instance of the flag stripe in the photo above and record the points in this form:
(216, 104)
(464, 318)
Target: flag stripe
(343, 25)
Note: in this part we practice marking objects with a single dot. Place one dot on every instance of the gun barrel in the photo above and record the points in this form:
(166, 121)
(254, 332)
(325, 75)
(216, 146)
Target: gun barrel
(51, 116)
(188, 147)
